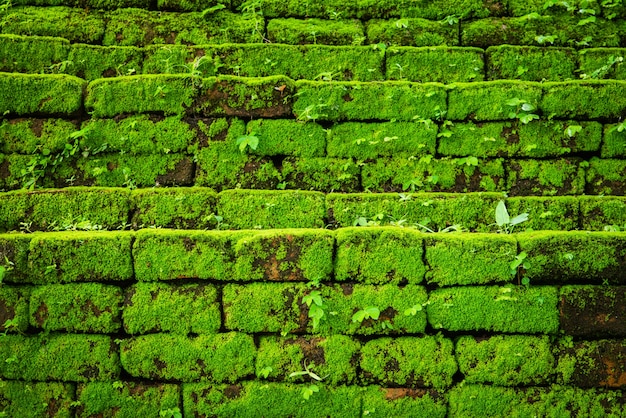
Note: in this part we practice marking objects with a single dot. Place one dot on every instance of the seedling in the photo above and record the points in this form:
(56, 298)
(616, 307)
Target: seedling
(307, 372)
(522, 110)
(265, 372)
(572, 130)
(171, 413)
(516, 265)
(248, 141)
(308, 391)
(5, 269)
(504, 221)
(366, 313)
(316, 307)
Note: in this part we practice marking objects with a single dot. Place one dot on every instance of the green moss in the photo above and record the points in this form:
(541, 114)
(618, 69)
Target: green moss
(31, 54)
(592, 311)
(602, 63)
(264, 307)
(524, 7)
(136, 170)
(170, 255)
(288, 137)
(403, 402)
(246, 209)
(182, 208)
(614, 142)
(409, 361)
(255, 399)
(494, 308)
(84, 307)
(438, 64)
(92, 62)
(189, 5)
(180, 309)
(559, 213)
(537, 30)
(332, 357)
(371, 140)
(587, 364)
(531, 63)
(473, 401)
(137, 27)
(379, 255)
(484, 101)
(584, 99)
(62, 357)
(126, 398)
(400, 309)
(14, 257)
(545, 177)
(28, 136)
(41, 94)
(73, 24)
(285, 255)
(224, 357)
(246, 97)
(140, 134)
(606, 177)
(64, 209)
(320, 174)
(13, 305)
(574, 256)
(440, 9)
(597, 212)
(64, 257)
(36, 399)
(425, 174)
(170, 94)
(178, 59)
(310, 62)
(433, 210)
(411, 32)
(394, 100)
(313, 31)
(504, 360)
(484, 258)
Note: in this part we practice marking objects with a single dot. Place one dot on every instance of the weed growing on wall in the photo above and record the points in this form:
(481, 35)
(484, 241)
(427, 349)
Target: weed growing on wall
(504, 222)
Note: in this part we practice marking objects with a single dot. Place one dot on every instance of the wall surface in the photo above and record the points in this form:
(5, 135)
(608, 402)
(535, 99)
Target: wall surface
(263, 208)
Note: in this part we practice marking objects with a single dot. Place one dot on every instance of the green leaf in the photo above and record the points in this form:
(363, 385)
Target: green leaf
(248, 141)
(502, 215)
(372, 312)
(309, 391)
(523, 217)
(572, 130)
(527, 107)
(358, 316)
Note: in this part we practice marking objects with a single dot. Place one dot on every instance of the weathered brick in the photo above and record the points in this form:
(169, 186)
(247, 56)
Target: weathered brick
(14, 257)
(599, 213)
(14, 308)
(588, 364)
(36, 399)
(593, 311)
(404, 402)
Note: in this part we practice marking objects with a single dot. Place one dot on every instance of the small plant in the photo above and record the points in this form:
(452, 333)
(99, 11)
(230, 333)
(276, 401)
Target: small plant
(369, 312)
(516, 265)
(504, 221)
(604, 70)
(521, 110)
(308, 391)
(316, 307)
(5, 269)
(541, 39)
(572, 130)
(264, 372)
(171, 413)
(248, 141)
(468, 161)
(307, 372)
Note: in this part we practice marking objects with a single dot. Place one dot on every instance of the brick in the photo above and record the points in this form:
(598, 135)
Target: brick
(263, 209)
(602, 63)
(313, 31)
(409, 362)
(494, 308)
(564, 176)
(335, 358)
(256, 398)
(588, 364)
(584, 99)
(36, 399)
(404, 402)
(288, 137)
(473, 401)
(14, 257)
(218, 357)
(487, 101)
(81, 307)
(320, 174)
(531, 63)
(126, 398)
(354, 101)
(558, 213)
(62, 357)
(411, 32)
(435, 64)
(65, 257)
(506, 360)
(46, 209)
(14, 308)
(614, 141)
(179, 208)
(286, 255)
(606, 177)
(485, 259)
(32, 135)
(379, 255)
(180, 309)
(91, 62)
(40, 94)
(593, 311)
(599, 212)
(31, 54)
(587, 257)
(170, 255)
(436, 211)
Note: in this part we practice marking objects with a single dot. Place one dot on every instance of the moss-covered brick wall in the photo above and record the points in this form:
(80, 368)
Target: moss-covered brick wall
(264, 208)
